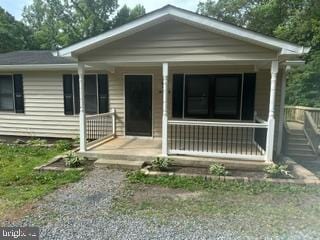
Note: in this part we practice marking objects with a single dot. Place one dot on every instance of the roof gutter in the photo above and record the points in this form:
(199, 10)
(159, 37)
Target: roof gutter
(69, 66)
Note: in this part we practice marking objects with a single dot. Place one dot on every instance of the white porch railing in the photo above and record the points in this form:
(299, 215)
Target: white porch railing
(101, 126)
(242, 140)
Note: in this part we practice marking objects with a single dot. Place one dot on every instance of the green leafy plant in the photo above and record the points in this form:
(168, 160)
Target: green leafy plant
(73, 161)
(63, 145)
(277, 171)
(162, 163)
(37, 142)
(76, 140)
(218, 169)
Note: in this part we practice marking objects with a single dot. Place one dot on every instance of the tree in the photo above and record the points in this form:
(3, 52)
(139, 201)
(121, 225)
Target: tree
(230, 11)
(14, 35)
(57, 23)
(296, 21)
(125, 14)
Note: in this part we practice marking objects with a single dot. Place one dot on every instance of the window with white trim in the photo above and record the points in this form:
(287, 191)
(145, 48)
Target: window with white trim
(96, 94)
(11, 93)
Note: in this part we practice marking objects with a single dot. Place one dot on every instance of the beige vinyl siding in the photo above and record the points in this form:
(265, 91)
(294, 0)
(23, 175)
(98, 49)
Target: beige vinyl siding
(44, 109)
(174, 41)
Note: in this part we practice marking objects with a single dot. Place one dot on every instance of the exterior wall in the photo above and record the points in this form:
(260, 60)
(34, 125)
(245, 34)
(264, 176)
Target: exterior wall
(173, 41)
(44, 109)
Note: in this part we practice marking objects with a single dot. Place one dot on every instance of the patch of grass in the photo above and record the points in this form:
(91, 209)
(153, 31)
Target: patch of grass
(201, 183)
(19, 183)
(257, 209)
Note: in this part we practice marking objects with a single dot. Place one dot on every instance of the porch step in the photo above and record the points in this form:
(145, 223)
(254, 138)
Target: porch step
(297, 141)
(120, 157)
(300, 148)
(119, 164)
(303, 157)
(297, 137)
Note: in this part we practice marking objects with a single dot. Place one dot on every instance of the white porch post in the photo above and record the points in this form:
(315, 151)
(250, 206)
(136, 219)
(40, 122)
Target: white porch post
(82, 114)
(282, 109)
(165, 71)
(271, 120)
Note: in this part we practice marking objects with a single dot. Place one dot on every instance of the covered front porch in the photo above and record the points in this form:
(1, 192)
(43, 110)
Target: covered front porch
(204, 87)
(237, 138)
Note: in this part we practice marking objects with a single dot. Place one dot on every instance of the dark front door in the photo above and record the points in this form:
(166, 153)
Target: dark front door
(138, 100)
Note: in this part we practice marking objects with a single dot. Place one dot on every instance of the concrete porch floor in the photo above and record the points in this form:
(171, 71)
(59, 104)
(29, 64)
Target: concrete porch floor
(146, 149)
(129, 146)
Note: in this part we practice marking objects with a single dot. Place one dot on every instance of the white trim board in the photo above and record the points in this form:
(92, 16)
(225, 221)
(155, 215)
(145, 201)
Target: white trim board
(173, 13)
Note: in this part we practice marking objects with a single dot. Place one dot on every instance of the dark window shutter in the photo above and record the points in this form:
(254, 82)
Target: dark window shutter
(103, 93)
(248, 99)
(177, 95)
(90, 85)
(68, 94)
(18, 93)
(76, 94)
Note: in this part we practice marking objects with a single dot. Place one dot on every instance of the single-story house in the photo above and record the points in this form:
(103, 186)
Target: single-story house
(199, 86)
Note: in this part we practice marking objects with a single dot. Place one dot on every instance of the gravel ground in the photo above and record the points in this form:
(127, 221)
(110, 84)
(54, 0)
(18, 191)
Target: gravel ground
(83, 211)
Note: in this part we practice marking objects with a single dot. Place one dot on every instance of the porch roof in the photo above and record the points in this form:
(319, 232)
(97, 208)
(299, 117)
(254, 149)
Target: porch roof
(173, 13)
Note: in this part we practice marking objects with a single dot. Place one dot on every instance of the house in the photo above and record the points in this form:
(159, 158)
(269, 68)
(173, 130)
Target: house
(195, 85)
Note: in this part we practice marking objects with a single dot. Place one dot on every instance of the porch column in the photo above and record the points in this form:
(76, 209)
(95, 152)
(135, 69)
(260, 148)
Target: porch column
(271, 120)
(165, 71)
(82, 114)
(282, 109)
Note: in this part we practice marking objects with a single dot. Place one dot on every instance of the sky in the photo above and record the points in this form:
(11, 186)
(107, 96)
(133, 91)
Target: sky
(15, 7)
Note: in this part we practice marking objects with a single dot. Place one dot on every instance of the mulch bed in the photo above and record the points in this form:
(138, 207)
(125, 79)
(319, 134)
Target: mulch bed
(58, 164)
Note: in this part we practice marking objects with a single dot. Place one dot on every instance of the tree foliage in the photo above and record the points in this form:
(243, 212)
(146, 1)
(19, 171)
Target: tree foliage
(57, 23)
(14, 35)
(296, 21)
(125, 14)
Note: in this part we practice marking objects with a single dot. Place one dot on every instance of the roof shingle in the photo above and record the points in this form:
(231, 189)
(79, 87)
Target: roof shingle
(32, 57)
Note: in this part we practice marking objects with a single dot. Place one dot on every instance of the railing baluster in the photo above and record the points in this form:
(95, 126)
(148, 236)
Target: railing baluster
(217, 140)
(237, 139)
(231, 138)
(208, 129)
(241, 138)
(222, 139)
(227, 139)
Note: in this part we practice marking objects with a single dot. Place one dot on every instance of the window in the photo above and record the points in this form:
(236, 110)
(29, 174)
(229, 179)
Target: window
(207, 96)
(197, 95)
(227, 96)
(11, 93)
(96, 94)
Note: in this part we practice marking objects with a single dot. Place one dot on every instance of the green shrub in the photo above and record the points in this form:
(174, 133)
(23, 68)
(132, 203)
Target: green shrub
(73, 161)
(63, 145)
(161, 163)
(37, 142)
(277, 171)
(218, 169)
(76, 140)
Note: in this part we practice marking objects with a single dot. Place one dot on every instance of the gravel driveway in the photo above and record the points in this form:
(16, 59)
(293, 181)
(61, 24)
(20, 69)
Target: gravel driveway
(83, 211)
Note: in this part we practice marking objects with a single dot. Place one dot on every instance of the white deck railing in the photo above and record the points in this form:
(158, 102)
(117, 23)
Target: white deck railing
(310, 118)
(296, 114)
(245, 140)
(101, 126)
(312, 132)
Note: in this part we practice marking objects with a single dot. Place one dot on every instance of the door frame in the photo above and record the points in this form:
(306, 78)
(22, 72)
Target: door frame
(152, 103)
